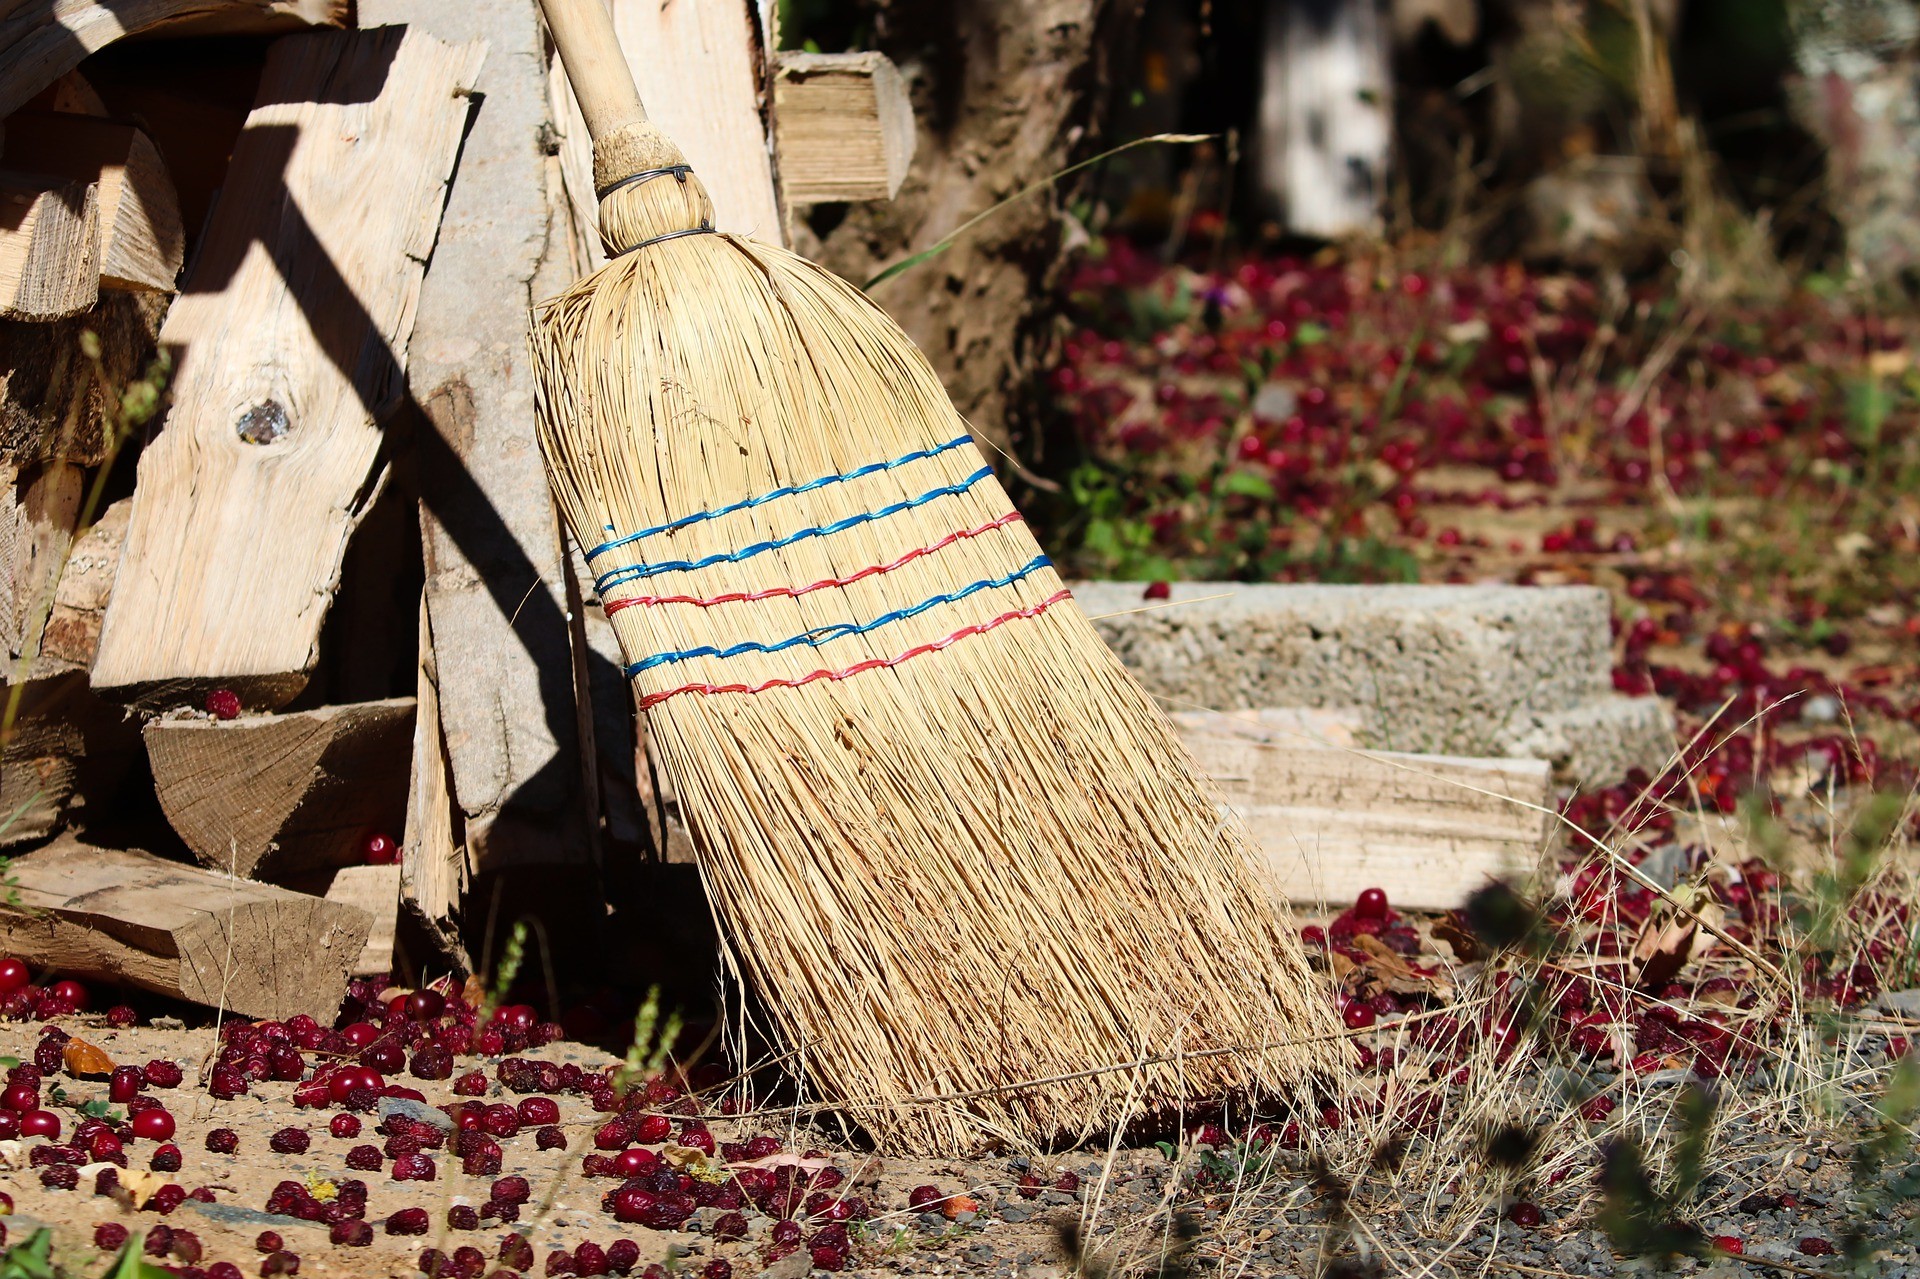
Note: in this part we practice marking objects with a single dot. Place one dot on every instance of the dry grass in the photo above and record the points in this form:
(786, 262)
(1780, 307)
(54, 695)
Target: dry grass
(988, 863)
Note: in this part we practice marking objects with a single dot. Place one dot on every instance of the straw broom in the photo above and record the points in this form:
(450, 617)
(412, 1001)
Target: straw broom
(951, 844)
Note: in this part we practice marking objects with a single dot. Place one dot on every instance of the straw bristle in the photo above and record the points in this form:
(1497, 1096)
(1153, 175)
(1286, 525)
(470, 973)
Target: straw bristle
(950, 841)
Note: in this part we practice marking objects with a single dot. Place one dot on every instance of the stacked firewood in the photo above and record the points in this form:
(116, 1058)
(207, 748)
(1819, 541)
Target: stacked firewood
(298, 658)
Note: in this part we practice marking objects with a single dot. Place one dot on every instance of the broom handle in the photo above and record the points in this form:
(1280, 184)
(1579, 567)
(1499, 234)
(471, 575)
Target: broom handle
(583, 32)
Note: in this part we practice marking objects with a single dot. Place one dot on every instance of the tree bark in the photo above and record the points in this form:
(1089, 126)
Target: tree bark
(1005, 94)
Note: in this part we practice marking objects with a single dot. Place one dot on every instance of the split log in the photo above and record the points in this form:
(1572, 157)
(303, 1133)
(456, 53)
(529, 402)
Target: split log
(278, 797)
(49, 247)
(292, 332)
(497, 616)
(42, 40)
(1430, 829)
(376, 890)
(843, 125)
(52, 405)
(702, 71)
(72, 633)
(141, 239)
(66, 747)
(132, 918)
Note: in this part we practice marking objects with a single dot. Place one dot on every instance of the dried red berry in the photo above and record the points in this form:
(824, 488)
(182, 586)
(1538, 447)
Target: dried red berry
(351, 1234)
(223, 1141)
(165, 1159)
(365, 1159)
(109, 1236)
(279, 1263)
(289, 1141)
(223, 703)
(413, 1168)
(409, 1221)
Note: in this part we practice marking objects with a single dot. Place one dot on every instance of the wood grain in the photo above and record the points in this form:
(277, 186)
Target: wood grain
(72, 633)
(292, 333)
(49, 247)
(376, 890)
(51, 402)
(1430, 829)
(843, 125)
(277, 797)
(702, 71)
(182, 931)
(433, 863)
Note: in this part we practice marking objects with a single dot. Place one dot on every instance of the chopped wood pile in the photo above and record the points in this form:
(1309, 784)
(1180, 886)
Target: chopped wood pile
(299, 668)
(303, 679)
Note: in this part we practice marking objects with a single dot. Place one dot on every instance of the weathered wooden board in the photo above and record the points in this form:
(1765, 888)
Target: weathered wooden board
(702, 72)
(433, 863)
(42, 40)
(178, 930)
(141, 240)
(1430, 829)
(501, 636)
(292, 333)
(66, 746)
(39, 511)
(843, 126)
(49, 247)
(277, 797)
(376, 890)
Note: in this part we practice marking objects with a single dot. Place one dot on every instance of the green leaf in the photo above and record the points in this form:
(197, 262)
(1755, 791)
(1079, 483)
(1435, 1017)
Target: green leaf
(30, 1260)
(1246, 484)
(1310, 334)
(132, 1264)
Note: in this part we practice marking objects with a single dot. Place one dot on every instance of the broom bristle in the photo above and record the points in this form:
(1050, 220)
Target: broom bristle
(951, 843)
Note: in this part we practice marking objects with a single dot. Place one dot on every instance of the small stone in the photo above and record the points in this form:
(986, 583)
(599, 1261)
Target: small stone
(418, 1111)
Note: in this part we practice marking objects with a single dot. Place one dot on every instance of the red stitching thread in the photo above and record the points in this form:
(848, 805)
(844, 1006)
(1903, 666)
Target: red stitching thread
(871, 664)
(775, 592)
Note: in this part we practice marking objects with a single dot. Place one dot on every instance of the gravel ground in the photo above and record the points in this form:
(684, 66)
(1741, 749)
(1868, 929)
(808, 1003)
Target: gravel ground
(1135, 1206)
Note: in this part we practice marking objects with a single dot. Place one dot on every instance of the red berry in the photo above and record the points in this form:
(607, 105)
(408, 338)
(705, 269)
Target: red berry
(511, 1190)
(223, 703)
(409, 1221)
(109, 1236)
(1815, 1246)
(279, 1263)
(344, 1126)
(462, 1217)
(624, 1254)
(516, 1253)
(718, 1268)
(381, 850)
(365, 1159)
(1524, 1214)
(589, 1259)
(166, 1158)
(124, 1084)
(550, 1138)
(350, 1234)
(69, 993)
(289, 1141)
(1370, 904)
(40, 1123)
(268, 1241)
(1729, 1244)
(14, 975)
(20, 1097)
(413, 1168)
(1357, 1015)
(536, 1111)
(651, 1130)
(924, 1196)
(153, 1124)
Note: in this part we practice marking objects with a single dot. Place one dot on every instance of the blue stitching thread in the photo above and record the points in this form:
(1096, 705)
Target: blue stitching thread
(839, 630)
(635, 572)
(699, 516)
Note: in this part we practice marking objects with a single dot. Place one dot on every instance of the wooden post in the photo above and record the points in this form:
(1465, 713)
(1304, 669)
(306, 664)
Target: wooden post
(1325, 123)
(293, 336)
(181, 931)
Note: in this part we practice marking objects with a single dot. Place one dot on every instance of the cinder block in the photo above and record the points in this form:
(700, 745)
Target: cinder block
(1455, 670)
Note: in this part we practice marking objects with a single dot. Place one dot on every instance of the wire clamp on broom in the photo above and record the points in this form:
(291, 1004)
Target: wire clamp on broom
(678, 171)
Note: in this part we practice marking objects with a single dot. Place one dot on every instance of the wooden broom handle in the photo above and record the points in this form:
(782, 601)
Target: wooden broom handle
(583, 32)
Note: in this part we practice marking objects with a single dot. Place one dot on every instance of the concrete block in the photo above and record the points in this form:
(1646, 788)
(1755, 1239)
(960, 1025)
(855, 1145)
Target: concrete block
(1485, 670)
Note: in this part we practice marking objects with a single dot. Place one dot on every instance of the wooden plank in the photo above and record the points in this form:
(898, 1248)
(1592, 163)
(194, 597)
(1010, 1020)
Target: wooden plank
(49, 247)
(277, 797)
(292, 333)
(51, 402)
(843, 125)
(376, 890)
(702, 71)
(181, 931)
(433, 864)
(42, 40)
(498, 619)
(141, 240)
(1430, 829)
(66, 746)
